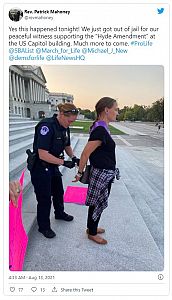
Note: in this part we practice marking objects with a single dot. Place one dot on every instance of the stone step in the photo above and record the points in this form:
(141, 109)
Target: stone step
(22, 122)
(12, 115)
(15, 118)
(17, 138)
(27, 181)
(147, 196)
(17, 164)
(150, 195)
(29, 209)
(17, 130)
(151, 174)
(20, 148)
(131, 245)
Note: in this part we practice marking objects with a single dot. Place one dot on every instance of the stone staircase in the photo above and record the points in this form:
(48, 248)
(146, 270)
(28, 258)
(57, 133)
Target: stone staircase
(133, 222)
(21, 133)
(145, 185)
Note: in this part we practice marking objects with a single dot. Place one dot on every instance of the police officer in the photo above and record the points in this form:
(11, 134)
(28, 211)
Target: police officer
(52, 137)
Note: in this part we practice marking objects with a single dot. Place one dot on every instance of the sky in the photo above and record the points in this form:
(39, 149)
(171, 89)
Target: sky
(129, 85)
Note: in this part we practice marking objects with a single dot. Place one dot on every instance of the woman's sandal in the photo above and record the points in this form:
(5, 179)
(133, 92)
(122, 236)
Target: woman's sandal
(97, 239)
(99, 230)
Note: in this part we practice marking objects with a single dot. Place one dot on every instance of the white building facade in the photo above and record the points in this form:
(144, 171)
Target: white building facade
(28, 93)
(57, 98)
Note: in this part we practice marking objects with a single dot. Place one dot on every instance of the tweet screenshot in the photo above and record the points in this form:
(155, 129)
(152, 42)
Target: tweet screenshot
(86, 149)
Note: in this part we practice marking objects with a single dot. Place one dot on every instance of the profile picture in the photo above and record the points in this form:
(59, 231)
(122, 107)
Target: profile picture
(15, 14)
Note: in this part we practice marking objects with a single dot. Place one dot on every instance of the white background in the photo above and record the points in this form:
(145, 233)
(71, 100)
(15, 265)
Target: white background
(148, 56)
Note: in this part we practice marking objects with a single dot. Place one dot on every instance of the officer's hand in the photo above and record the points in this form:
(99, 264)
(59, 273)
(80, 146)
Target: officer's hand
(76, 160)
(69, 164)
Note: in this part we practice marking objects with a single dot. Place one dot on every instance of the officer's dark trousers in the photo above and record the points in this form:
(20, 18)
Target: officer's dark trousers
(47, 187)
(91, 224)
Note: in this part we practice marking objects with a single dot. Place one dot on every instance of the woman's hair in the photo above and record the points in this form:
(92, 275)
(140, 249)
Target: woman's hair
(68, 108)
(101, 105)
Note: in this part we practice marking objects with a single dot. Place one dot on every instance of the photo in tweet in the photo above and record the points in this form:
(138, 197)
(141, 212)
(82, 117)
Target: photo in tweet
(103, 85)
(139, 157)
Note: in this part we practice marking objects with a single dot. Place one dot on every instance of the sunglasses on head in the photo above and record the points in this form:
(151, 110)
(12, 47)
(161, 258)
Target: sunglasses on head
(71, 111)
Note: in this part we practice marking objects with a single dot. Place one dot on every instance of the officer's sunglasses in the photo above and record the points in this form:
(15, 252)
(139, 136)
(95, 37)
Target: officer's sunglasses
(71, 111)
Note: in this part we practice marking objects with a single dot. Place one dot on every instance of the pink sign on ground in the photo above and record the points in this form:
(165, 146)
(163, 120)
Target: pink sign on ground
(17, 236)
(75, 194)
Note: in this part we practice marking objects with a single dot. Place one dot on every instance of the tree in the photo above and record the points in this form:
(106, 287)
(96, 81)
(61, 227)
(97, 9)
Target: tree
(121, 115)
(156, 112)
(139, 112)
(88, 113)
(129, 115)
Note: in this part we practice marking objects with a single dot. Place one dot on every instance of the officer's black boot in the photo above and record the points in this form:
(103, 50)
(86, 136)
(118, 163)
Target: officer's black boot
(48, 233)
(58, 200)
(64, 217)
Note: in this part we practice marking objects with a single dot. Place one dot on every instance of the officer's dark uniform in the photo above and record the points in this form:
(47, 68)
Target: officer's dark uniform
(46, 177)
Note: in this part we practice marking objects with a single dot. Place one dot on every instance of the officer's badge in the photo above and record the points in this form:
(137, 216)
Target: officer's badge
(44, 130)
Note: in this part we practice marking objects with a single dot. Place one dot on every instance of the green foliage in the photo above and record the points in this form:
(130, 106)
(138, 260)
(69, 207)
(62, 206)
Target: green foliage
(155, 113)
(88, 114)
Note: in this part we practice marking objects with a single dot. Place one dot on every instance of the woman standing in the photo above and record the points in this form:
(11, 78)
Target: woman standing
(100, 150)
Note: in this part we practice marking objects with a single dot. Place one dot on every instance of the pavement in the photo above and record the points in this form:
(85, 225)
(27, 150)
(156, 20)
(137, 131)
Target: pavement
(140, 128)
(133, 221)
